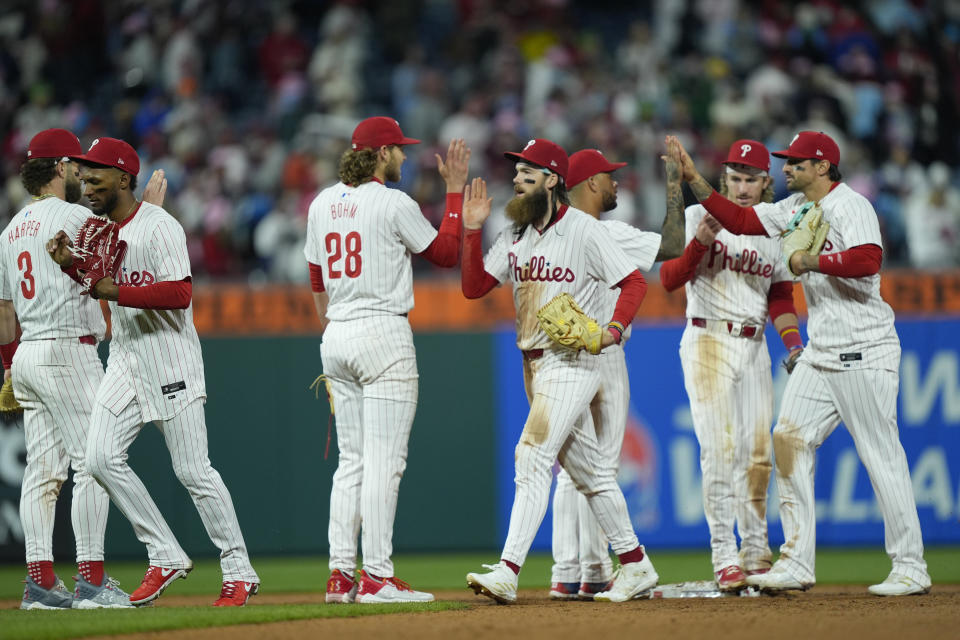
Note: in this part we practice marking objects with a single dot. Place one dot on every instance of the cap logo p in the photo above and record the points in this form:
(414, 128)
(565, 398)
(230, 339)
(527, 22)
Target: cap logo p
(744, 150)
(530, 144)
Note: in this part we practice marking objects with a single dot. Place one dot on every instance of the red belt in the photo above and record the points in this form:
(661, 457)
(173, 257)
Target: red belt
(747, 331)
(532, 354)
(82, 339)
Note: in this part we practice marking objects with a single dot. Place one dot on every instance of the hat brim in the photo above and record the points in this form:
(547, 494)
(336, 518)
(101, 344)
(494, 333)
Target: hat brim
(783, 154)
(406, 140)
(516, 157)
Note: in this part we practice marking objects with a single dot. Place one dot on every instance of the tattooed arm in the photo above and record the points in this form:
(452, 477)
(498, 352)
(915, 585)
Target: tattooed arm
(671, 243)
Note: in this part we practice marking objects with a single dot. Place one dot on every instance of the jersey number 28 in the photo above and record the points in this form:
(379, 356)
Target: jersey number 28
(336, 245)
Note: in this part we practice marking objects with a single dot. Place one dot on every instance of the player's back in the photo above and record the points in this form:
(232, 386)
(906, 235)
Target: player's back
(362, 238)
(48, 303)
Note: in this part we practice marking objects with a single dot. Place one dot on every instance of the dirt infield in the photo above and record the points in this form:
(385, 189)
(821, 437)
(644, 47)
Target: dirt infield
(823, 613)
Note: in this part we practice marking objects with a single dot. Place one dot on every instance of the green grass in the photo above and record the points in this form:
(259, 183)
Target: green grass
(429, 572)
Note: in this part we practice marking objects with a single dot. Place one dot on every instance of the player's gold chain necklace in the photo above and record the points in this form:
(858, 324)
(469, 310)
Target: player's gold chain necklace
(44, 196)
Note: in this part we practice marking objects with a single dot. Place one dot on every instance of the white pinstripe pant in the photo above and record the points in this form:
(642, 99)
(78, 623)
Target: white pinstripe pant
(56, 381)
(560, 386)
(580, 550)
(372, 368)
(815, 401)
(186, 437)
(728, 381)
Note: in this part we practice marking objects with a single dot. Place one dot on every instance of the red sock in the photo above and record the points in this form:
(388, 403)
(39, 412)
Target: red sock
(42, 573)
(631, 556)
(513, 566)
(92, 571)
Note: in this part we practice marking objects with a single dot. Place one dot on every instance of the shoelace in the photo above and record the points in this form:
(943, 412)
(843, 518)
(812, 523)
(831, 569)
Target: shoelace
(228, 589)
(399, 584)
(112, 583)
(492, 567)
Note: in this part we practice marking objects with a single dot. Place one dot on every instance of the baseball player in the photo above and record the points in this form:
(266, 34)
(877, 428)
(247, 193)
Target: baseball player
(732, 284)
(849, 370)
(582, 566)
(154, 374)
(360, 235)
(55, 372)
(552, 248)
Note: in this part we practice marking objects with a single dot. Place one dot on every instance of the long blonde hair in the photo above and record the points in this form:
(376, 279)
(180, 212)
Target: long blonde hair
(357, 167)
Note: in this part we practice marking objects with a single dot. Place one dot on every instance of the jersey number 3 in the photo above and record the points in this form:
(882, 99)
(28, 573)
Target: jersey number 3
(336, 245)
(28, 286)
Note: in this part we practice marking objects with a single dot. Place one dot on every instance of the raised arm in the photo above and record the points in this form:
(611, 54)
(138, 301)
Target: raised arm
(474, 279)
(444, 251)
(671, 233)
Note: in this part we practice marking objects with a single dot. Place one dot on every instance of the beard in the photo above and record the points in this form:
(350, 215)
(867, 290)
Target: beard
(392, 172)
(527, 209)
(608, 201)
(106, 206)
(72, 191)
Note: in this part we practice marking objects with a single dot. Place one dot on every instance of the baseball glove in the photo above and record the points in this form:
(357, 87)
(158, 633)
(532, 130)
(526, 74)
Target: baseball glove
(8, 402)
(807, 231)
(315, 385)
(97, 252)
(567, 325)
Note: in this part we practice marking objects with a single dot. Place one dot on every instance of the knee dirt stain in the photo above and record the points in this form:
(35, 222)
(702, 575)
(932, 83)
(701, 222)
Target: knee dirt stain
(785, 447)
(538, 422)
(710, 357)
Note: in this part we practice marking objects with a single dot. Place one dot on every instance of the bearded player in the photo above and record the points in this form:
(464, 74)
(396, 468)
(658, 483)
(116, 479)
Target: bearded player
(552, 248)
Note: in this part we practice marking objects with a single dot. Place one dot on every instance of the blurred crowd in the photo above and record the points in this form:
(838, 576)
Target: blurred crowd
(248, 106)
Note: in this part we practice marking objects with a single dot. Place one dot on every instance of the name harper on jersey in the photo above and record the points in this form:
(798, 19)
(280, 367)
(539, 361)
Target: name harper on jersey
(538, 270)
(343, 210)
(26, 229)
(748, 261)
(135, 278)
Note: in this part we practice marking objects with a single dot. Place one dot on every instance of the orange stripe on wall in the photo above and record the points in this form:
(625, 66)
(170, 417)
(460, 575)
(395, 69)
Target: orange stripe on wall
(440, 306)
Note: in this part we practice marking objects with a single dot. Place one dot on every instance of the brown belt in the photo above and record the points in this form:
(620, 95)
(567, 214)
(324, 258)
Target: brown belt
(532, 354)
(736, 329)
(82, 339)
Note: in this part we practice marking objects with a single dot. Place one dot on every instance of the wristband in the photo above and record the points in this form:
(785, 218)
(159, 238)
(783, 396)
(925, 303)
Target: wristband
(791, 338)
(616, 326)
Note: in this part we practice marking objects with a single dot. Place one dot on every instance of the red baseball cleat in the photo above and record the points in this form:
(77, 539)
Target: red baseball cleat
(731, 578)
(154, 582)
(341, 588)
(235, 593)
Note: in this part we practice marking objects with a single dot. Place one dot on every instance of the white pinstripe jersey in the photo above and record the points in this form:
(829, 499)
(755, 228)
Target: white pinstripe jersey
(575, 255)
(850, 325)
(733, 278)
(48, 303)
(156, 352)
(641, 247)
(362, 238)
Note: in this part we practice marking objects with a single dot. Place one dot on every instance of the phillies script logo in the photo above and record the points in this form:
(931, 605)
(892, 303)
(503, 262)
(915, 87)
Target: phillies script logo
(748, 261)
(539, 270)
(135, 278)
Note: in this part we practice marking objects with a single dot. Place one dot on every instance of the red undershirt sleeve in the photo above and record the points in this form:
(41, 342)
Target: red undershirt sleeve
(733, 217)
(444, 251)
(475, 282)
(316, 278)
(855, 262)
(173, 294)
(780, 299)
(678, 271)
(633, 288)
(7, 351)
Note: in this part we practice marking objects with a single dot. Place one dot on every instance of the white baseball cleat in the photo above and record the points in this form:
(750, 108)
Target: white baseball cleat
(898, 584)
(631, 581)
(777, 579)
(500, 583)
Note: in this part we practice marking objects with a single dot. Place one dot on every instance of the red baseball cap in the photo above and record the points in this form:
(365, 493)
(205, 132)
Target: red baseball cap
(376, 132)
(812, 145)
(543, 153)
(586, 163)
(749, 152)
(54, 143)
(113, 153)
